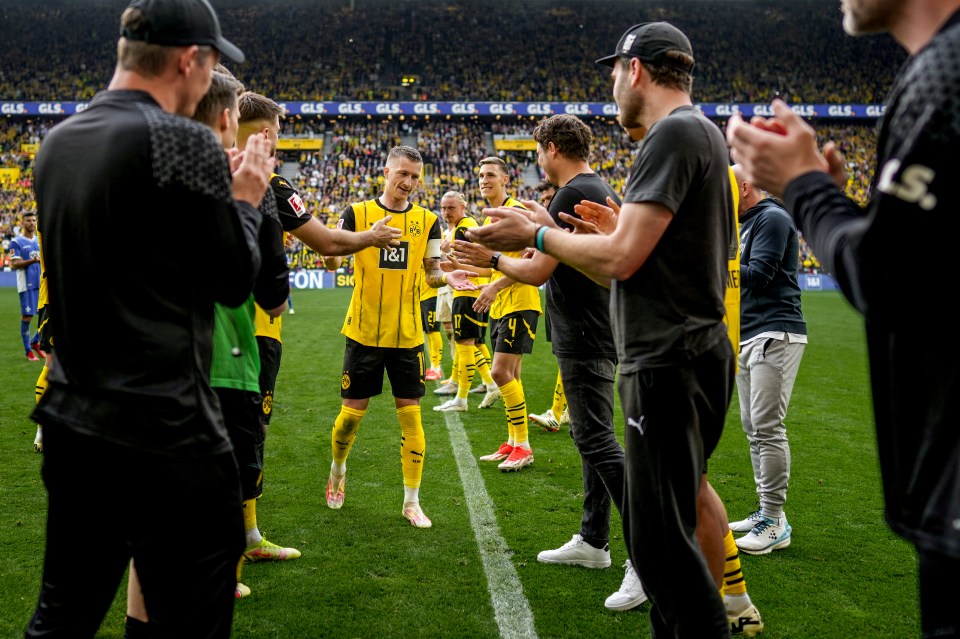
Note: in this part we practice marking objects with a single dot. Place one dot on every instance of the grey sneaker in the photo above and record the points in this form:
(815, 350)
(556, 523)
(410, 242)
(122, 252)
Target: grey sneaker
(446, 389)
(577, 552)
(631, 592)
(770, 533)
(746, 525)
(493, 394)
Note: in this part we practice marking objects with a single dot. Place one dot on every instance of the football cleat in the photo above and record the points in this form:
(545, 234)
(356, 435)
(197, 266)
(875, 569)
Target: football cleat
(266, 551)
(446, 389)
(502, 453)
(335, 492)
(519, 458)
(455, 405)
(747, 623)
(546, 420)
(493, 394)
(415, 516)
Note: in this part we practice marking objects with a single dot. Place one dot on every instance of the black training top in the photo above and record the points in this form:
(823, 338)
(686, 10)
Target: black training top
(769, 265)
(913, 210)
(119, 188)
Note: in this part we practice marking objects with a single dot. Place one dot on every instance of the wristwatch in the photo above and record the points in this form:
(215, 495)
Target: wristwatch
(495, 259)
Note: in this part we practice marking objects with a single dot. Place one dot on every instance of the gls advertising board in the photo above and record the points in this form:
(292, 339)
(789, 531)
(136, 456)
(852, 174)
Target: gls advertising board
(488, 109)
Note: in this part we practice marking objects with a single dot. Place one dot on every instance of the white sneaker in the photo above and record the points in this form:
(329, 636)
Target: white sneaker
(770, 533)
(446, 389)
(293, 312)
(482, 388)
(577, 552)
(565, 417)
(455, 405)
(631, 592)
(545, 420)
(493, 394)
(746, 525)
(38, 440)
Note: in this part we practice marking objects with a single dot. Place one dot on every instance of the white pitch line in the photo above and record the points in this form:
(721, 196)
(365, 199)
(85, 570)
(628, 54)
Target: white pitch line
(510, 606)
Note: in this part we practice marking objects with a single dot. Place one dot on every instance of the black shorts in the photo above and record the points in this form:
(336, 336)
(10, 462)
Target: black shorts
(43, 328)
(428, 311)
(467, 323)
(241, 414)
(515, 332)
(363, 368)
(270, 352)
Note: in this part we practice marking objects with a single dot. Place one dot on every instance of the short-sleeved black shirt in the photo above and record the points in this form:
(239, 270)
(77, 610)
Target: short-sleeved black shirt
(577, 307)
(671, 309)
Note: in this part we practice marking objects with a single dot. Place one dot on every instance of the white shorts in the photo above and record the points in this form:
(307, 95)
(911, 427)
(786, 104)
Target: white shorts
(444, 304)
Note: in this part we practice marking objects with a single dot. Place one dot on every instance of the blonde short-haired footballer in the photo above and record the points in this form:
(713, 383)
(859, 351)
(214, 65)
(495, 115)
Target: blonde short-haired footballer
(469, 325)
(383, 326)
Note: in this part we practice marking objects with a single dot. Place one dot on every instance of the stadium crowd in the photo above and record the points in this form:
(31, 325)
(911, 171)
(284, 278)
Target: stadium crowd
(350, 164)
(76, 65)
(334, 53)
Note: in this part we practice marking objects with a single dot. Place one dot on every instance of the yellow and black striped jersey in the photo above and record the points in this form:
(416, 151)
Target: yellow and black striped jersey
(517, 296)
(385, 306)
(731, 299)
(266, 326)
(460, 233)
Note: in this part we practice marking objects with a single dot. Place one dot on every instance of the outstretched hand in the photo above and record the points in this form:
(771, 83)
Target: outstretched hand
(602, 218)
(383, 235)
(512, 231)
(471, 254)
(460, 281)
(252, 169)
(774, 151)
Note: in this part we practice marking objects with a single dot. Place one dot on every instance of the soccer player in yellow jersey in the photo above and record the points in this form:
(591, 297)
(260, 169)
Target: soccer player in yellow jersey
(384, 328)
(514, 310)
(431, 326)
(468, 324)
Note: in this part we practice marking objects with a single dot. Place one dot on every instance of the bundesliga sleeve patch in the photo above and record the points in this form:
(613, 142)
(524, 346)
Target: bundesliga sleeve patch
(297, 204)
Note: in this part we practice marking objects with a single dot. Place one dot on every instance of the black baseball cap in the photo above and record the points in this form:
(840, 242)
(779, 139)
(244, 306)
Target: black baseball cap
(180, 23)
(651, 41)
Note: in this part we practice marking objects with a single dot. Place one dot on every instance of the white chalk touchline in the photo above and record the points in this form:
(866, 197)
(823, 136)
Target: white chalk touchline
(510, 605)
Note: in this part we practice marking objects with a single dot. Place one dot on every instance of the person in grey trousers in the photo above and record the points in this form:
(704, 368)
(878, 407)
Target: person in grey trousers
(773, 335)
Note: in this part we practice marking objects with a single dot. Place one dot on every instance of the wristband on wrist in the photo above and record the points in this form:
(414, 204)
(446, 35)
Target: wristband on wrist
(541, 231)
(495, 259)
(443, 278)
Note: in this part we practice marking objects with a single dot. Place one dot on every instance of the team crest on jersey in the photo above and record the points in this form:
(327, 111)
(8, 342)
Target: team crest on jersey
(345, 381)
(267, 406)
(415, 229)
(297, 204)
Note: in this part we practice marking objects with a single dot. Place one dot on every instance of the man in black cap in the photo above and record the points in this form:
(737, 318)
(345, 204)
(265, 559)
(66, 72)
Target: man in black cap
(667, 263)
(122, 434)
